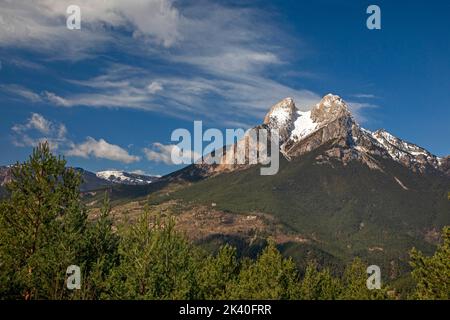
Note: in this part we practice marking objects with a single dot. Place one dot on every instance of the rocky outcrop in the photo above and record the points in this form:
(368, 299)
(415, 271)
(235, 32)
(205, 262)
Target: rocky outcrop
(330, 108)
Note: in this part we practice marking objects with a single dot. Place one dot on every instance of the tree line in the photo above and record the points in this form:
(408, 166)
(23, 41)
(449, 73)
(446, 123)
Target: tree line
(44, 228)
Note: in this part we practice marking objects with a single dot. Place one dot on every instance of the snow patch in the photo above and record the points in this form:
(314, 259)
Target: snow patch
(303, 126)
(280, 115)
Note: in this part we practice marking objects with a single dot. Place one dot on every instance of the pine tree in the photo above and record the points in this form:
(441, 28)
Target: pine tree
(269, 277)
(99, 255)
(432, 274)
(41, 225)
(216, 272)
(155, 262)
(319, 285)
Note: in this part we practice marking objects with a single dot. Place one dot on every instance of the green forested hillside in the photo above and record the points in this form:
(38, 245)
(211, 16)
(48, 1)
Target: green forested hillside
(351, 210)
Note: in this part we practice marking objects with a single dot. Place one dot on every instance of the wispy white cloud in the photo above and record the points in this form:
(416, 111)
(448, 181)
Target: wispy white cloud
(101, 149)
(358, 110)
(40, 24)
(223, 46)
(25, 64)
(163, 153)
(38, 129)
(235, 100)
(18, 90)
(364, 96)
(222, 61)
(154, 87)
(55, 99)
(37, 122)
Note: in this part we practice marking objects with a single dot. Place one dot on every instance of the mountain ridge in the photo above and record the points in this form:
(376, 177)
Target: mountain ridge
(124, 177)
(92, 181)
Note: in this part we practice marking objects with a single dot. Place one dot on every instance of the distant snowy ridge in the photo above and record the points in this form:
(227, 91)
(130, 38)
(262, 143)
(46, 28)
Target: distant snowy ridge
(123, 177)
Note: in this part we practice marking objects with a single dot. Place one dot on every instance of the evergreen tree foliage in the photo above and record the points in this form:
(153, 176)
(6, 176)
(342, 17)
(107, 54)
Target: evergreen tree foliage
(155, 262)
(217, 272)
(355, 286)
(100, 255)
(270, 277)
(41, 225)
(319, 285)
(432, 274)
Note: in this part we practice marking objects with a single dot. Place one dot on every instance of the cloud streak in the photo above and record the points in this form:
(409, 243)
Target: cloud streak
(101, 149)
(214, 53)
(199, 60)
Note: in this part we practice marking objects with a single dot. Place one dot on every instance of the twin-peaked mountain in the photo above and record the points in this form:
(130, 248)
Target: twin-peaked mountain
(330, 121)
(350, 191)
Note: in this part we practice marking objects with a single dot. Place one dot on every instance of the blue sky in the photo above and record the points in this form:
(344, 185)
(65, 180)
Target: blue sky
(108, 96)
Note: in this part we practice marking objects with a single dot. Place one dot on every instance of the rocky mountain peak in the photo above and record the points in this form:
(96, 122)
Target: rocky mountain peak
(330, 121)
(329, 108)
(407, 153)
(281, 112)
(282, 116)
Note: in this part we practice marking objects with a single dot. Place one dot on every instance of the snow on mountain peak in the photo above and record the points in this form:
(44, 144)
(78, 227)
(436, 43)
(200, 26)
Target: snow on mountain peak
(303, 125)
(295, 124)
(331, 120)
(281, 112)
(332, 99)
(399, 148)
(282, 116)
(330, 123)
(123, 177)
